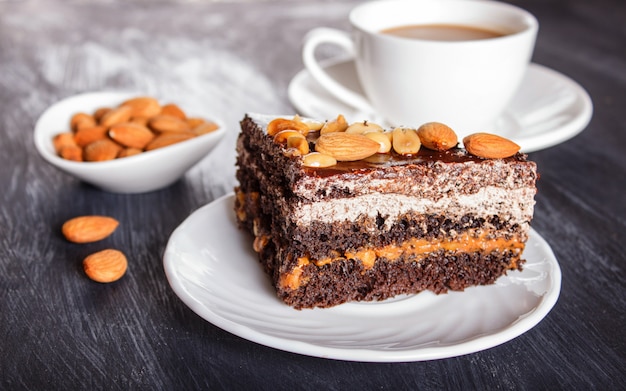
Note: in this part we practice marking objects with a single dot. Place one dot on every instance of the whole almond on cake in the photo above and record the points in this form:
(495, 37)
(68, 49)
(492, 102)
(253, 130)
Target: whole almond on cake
(279, 124)
(437, 136)
(382, 139)
(346, 146)
(319, 160)
(339, 124)
(405, 141)
(490, 146)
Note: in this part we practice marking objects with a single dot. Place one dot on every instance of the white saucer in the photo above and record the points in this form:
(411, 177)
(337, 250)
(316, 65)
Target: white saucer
(549, 108)
(210, 265)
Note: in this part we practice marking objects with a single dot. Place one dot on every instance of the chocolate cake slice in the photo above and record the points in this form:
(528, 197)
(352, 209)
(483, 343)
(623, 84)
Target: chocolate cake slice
(336, 218)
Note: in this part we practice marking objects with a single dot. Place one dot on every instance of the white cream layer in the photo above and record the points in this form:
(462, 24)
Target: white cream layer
(514, 205)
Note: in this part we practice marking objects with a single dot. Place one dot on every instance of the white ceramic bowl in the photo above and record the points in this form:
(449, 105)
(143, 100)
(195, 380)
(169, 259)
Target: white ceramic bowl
(141, 173)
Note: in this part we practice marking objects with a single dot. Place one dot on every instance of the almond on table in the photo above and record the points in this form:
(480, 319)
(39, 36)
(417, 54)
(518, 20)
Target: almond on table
(87, 229)
(105, 266)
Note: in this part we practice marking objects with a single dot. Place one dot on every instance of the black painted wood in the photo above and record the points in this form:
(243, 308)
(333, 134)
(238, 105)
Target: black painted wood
(59, 330)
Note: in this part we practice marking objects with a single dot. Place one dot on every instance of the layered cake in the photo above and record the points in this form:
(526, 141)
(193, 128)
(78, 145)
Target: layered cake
(344, 212)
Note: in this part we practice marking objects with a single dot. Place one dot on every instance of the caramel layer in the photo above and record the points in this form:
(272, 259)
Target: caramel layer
(413, 249)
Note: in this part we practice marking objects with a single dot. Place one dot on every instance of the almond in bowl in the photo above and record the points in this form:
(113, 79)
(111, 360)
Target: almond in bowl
(125, 142)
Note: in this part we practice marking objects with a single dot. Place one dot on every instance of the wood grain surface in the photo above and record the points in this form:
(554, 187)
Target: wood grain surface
(61, 331)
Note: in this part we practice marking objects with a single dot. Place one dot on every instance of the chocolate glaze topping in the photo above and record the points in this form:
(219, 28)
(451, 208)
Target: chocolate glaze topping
(391, 159)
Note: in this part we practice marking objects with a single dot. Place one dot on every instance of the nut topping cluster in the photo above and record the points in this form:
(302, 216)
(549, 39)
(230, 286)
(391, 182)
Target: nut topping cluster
(137, 125)
(337, 140)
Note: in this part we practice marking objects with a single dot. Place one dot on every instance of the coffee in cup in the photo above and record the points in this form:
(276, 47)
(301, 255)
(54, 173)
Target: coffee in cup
(442, 32)
(459, 62)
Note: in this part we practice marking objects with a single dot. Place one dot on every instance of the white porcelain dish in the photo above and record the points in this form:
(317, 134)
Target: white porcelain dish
(141, 173)
(548, 109)
(210, 265)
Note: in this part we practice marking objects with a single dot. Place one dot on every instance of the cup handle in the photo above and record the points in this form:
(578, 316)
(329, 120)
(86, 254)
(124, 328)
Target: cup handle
(342, 39)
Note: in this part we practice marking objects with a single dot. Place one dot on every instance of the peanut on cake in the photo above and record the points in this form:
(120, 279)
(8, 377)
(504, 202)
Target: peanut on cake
(353, 212)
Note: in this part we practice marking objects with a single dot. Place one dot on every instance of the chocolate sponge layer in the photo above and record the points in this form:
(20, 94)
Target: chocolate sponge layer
(439, 272)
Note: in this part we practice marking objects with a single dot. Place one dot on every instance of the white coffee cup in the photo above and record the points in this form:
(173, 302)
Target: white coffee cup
(464, 84)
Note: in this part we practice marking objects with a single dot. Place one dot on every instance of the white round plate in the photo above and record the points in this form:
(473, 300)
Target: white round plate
(549, 108)
(211, 266)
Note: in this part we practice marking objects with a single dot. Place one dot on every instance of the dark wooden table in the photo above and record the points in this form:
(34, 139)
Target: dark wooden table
(60, 330)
